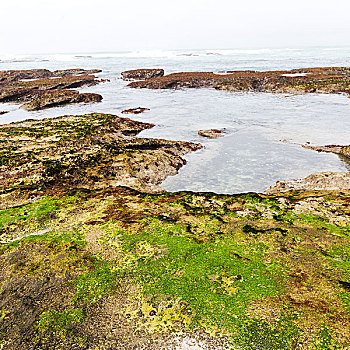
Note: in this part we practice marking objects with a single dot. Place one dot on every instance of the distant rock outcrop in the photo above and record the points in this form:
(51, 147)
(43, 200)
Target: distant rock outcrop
(305, 80)
(142, 74)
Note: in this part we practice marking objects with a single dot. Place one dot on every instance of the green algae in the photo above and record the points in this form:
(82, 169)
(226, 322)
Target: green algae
(53, 323)
(217, 279)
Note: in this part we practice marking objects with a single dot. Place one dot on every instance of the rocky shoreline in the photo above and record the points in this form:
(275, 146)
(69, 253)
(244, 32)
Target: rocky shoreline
(40, 88)
(94, 255)
(305, 80)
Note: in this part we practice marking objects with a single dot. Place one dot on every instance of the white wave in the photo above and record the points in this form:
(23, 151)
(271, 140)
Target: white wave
(135, 54)
(228, 52)
(16, 58)
(59, 57)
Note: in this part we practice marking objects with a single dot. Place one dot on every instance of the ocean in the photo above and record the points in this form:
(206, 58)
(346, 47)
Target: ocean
(263, 131)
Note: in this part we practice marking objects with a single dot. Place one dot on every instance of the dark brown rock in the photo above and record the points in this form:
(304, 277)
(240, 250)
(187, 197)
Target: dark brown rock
(142, 74)
(15, 75)
(57, 98)
(44, 89)
(137, 110)
(3, 112)
(75, 71)
(329, 80)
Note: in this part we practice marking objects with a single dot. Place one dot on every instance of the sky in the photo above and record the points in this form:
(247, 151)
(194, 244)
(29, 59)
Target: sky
(63, 26)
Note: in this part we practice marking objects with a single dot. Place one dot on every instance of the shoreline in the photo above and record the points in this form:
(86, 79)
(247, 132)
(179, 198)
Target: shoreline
(94, 255)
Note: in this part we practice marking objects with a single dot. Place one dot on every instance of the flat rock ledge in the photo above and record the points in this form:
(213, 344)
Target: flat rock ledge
(89, 151)
(337, 149)
(211, 133)
(324, 181)
(142, 74)
(40, 88)
(296, 81)
(137, 110)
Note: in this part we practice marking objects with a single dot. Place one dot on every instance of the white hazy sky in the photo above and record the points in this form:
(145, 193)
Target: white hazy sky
(52, 26)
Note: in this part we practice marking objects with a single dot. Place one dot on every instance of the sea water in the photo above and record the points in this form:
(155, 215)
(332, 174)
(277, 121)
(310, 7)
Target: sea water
(263, 131)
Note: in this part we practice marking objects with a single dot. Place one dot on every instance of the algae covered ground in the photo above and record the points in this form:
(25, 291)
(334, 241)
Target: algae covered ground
(111, 267)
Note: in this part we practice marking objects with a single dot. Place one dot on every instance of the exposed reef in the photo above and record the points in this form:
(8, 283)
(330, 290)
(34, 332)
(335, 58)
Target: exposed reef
(332, 181)
(88, 151)
(142, 74)
(337, 149)
(41, 88)
(306, 80)
(87, 263)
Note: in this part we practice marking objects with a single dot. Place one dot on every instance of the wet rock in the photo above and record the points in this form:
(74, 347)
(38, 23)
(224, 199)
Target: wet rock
(142, 74)
(337, 149)
(15, 75)
(305, 80)
(137, 110)
(57, 98)
(75, 71)
(39, 89)
(3, 112)
(90, 151)
(211, 133)
(326, 181)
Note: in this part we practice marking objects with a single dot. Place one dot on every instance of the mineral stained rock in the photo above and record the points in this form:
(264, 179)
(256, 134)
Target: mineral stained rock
(331, 181)
(211, 133)
(88, 151)
(137, 110)
(305, 80)
(41, 88)
(142, 74)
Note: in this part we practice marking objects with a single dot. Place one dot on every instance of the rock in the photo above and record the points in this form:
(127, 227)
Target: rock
(75, 71)
(137, 110)
(58, 98)
(325, 181)
(211, 133)
(46, 89)
(306, 80)
(15, 75)
(3, 112)
(337, 149)
(142, 74)
(89, 151)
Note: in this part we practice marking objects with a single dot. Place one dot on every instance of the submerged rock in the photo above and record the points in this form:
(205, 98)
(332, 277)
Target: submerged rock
(137, 110)
(142, 74)
(211, 133)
